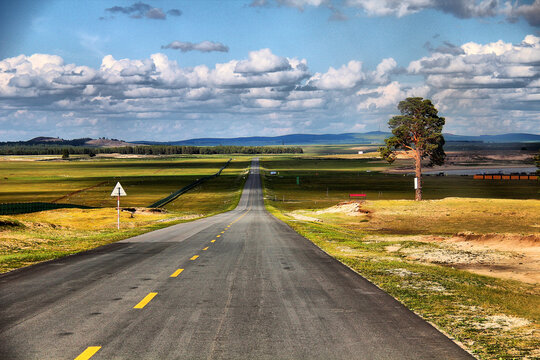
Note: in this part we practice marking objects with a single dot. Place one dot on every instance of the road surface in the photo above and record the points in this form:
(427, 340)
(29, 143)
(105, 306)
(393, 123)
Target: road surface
(239, 285)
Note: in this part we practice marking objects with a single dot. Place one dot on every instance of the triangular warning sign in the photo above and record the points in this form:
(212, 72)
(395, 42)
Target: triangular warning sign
(118, 190)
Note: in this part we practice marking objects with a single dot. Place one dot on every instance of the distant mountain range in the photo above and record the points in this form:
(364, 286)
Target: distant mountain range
(373, 137)
(89, 142)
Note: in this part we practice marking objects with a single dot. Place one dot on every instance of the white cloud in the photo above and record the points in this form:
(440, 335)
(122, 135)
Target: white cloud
(496, 65)
(499, 81)
(346, 77)
(262, 61)
(463, 9)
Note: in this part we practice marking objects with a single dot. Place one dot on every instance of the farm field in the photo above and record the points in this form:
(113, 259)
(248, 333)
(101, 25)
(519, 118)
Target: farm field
(467, 259)
(326, 181)
(90, 182)
(29, 238)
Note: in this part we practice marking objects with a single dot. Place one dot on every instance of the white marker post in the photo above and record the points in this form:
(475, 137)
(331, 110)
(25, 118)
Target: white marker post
(118, 191)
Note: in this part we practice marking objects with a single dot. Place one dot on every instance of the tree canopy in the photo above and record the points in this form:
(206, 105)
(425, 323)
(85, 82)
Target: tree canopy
(417, 133)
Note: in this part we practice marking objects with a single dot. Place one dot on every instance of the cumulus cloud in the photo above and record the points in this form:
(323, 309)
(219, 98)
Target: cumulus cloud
(498, 81)
(498, 64)
(140, 10)
(530, 12)
(399, 8)
(133, 85)
(463, 9)
(346, 77)
(205, 46)
(262, 61)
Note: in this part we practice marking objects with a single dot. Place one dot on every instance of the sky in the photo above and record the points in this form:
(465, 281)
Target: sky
(173, 70)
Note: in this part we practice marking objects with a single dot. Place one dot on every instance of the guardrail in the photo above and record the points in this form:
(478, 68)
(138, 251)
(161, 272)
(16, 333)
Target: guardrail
(174, 195)
(30, 207)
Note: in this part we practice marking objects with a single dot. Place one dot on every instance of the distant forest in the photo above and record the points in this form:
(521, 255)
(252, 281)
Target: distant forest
(11, 149)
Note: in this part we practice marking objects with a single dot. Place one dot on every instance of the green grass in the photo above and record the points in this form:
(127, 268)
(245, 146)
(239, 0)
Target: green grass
(323, 182)
(145, 180)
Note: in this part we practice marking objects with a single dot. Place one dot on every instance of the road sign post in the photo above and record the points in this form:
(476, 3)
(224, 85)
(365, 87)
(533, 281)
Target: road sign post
(118, 191)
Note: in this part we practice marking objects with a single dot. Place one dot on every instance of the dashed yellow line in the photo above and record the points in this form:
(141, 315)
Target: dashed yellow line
(92, 350)
(145, 301)
(176, 273)
(88, 353)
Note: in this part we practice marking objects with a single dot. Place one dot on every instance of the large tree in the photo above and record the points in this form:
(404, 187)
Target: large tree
(417, 133)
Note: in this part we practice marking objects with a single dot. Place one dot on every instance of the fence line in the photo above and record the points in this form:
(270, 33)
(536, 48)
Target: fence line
(174, 195)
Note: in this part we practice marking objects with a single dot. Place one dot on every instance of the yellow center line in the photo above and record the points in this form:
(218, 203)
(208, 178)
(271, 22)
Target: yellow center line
(213, 241)
(223, 232)
(194, 257)
(241, 216)
(145, 301)
(206, 248)
(176, 273)
(218, 236)
(228, 226)
(88, 353)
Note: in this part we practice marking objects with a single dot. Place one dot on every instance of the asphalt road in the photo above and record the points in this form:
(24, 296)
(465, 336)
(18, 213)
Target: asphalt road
(250, 288)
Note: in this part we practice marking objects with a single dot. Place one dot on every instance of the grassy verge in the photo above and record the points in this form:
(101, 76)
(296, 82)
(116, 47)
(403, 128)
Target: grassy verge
(494, 318)
(30, 238)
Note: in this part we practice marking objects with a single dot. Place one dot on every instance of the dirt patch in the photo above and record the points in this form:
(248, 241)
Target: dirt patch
(507, 256)
(351, 208)
(401, 272)
(301, 217)
(502, 322)
(144, 210)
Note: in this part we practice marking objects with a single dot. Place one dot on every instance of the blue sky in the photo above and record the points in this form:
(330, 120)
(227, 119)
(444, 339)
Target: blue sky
(171, 70)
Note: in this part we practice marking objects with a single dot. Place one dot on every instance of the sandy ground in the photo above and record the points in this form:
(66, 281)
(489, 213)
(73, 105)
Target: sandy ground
(506, 256)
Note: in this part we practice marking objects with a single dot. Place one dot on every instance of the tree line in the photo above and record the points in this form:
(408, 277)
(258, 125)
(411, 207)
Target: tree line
(146, 150)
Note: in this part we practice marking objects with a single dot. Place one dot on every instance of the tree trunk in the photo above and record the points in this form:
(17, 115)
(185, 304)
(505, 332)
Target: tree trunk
(418, 174)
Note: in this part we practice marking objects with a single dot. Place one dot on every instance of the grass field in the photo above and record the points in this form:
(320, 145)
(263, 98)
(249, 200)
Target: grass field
(29, 238)
(495, 318)
(323, 182)
(90, 182)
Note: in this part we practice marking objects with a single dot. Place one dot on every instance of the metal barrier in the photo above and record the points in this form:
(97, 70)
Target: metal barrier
(185, 189)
